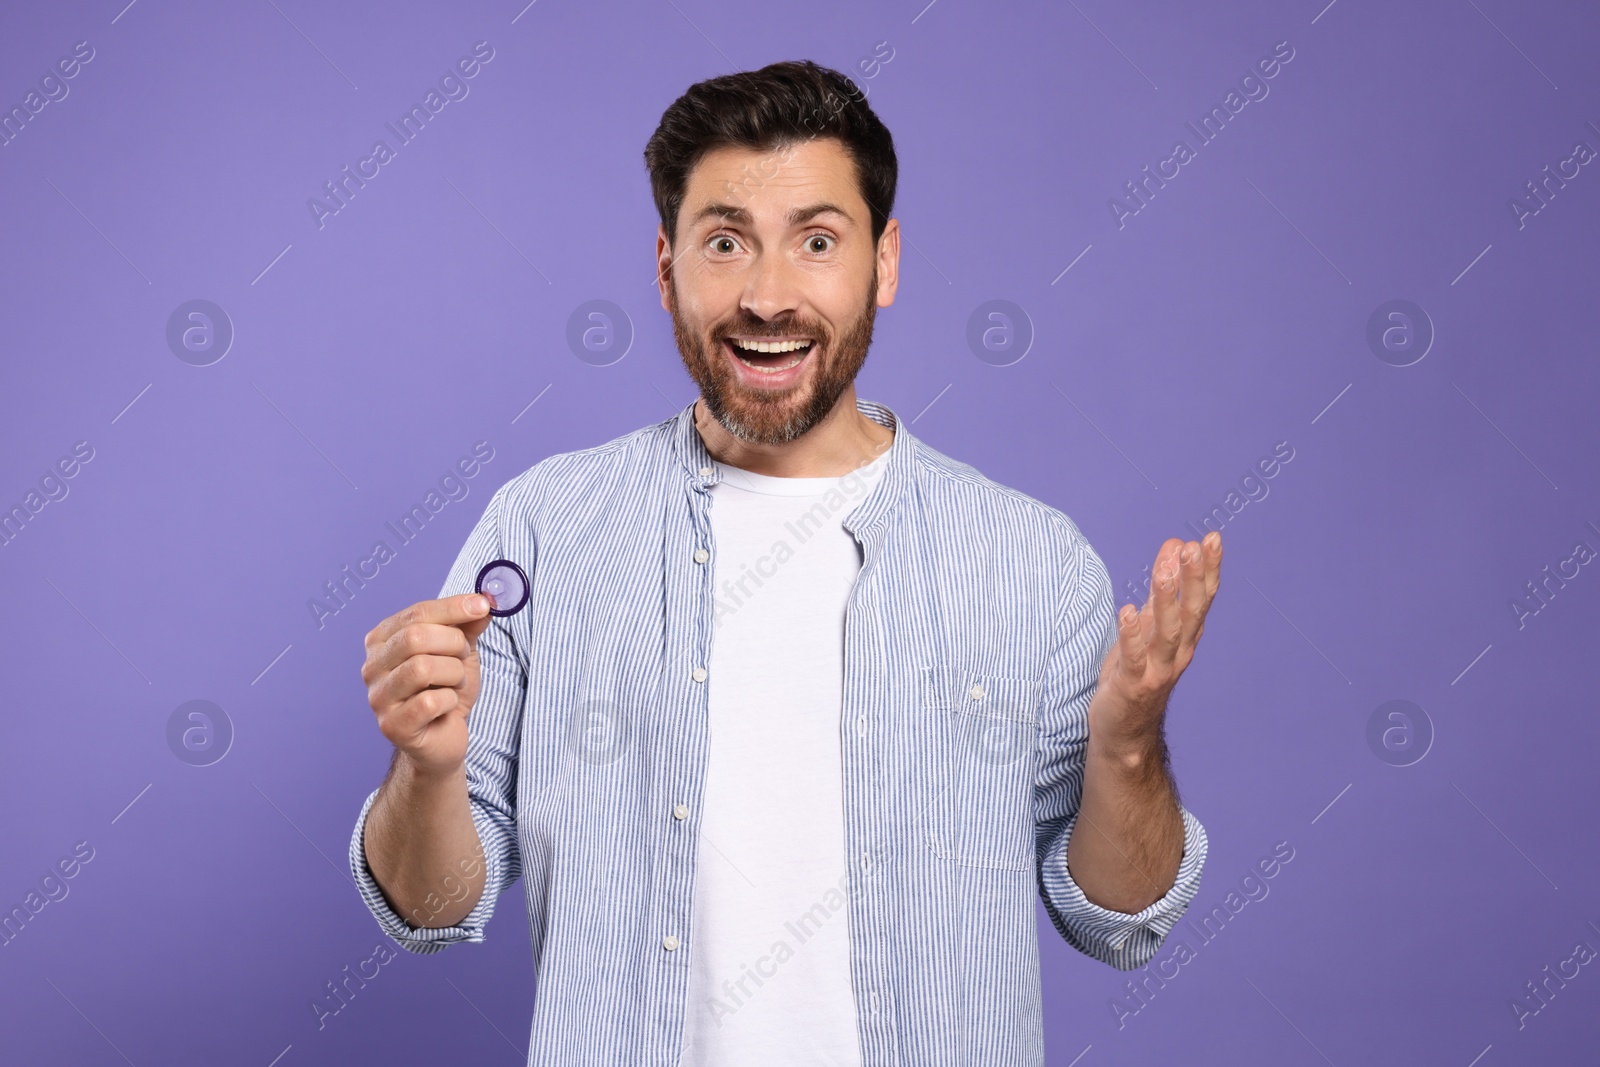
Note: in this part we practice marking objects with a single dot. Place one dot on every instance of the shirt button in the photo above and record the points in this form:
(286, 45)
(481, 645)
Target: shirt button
(701, 555)
(681, 811)
(706, 472)
(670, 943)
(699, 674)
(866, 861)
(861, 726)
(977, 692)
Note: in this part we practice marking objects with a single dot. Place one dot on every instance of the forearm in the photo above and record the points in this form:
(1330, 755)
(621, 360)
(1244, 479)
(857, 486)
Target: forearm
(423, 848)
(1128, 841)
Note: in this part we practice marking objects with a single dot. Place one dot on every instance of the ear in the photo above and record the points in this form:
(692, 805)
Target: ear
(887, 263)
(663, 265)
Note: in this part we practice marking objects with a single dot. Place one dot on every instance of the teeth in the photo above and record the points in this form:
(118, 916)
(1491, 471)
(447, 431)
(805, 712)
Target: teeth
(770, 346)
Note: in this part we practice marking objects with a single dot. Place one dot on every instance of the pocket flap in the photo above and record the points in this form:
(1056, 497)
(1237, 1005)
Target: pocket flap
(956, 688)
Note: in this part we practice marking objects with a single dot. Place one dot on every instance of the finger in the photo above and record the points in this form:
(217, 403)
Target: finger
(1212, 543)
(416, 639)
(447, 611)
(1192, 598)
(1147, 611)
(1130, 643)
(1165, 555)
(1165, 617)
(408, 721)
(417, 674)
(474, 630)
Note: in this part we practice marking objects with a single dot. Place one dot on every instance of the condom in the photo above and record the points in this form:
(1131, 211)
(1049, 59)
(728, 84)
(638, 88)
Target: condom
(505, 585)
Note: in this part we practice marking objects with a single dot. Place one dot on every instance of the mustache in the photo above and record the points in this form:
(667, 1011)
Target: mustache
(768, 329)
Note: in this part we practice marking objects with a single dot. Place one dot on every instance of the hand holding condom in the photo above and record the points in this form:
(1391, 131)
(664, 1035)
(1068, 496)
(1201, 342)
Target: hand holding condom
(506, 586)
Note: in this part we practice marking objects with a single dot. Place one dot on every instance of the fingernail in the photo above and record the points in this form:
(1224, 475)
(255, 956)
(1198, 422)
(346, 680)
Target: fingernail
(477, 605)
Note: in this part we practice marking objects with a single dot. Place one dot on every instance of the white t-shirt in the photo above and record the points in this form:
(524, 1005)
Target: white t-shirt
(770, 970)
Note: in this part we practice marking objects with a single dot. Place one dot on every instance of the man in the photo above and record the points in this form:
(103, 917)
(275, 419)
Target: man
(801, 713)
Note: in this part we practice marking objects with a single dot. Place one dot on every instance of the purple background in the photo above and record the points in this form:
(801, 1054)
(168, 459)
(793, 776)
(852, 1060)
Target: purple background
(1228, 315)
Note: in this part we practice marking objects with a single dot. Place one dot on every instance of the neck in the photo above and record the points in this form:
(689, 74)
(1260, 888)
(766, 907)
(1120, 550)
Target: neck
(844, 440)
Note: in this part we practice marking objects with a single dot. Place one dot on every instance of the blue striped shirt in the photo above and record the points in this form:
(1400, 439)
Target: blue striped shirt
(973, 640)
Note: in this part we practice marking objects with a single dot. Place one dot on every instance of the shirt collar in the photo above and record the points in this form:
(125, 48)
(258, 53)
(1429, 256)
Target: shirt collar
(867, 516)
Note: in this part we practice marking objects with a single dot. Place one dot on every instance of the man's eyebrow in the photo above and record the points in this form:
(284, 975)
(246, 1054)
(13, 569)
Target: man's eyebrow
(727, 213)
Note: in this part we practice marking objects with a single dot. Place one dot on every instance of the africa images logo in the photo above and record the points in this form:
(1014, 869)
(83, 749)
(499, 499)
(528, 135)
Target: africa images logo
(452, 87)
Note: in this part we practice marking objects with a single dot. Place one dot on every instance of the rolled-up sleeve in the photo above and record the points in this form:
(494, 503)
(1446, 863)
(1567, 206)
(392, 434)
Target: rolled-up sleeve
(493, 727)
(1084, 633)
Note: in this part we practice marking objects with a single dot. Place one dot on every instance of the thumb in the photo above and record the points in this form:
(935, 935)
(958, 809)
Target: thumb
(478, 607)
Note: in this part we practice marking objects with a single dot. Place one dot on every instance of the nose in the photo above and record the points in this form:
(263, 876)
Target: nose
(771, 289)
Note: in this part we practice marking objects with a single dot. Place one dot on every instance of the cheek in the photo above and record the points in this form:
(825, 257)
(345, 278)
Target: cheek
(695, 316)
(704, 303)
(844, 308)
(700, 315)
(827, 291)
(704, 294)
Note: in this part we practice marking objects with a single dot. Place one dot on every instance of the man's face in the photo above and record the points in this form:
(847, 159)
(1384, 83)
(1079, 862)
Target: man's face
(774, 247)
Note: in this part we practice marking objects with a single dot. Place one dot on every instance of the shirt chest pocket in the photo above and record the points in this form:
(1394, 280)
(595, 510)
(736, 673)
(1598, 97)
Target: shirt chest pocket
(984, 729)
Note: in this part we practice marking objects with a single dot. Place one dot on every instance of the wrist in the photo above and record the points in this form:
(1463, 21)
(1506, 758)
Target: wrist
(1131, 753)
(420, 778)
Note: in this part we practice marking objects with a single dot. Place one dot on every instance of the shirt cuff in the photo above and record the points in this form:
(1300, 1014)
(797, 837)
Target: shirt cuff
(1124, 940)
(496, 842)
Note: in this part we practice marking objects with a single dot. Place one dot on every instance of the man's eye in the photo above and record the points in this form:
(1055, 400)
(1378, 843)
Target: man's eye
(814, 239)
(717, 244)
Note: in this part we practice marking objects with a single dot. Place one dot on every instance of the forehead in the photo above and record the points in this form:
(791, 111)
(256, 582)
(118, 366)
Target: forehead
(768, 182)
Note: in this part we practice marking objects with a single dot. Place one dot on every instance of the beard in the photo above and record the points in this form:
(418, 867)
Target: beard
(774, 416)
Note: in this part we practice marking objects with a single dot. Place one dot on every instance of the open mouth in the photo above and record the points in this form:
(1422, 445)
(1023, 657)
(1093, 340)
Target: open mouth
(769, 357)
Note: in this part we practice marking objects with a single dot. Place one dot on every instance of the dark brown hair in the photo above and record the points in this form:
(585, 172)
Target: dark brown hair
(774, 107)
